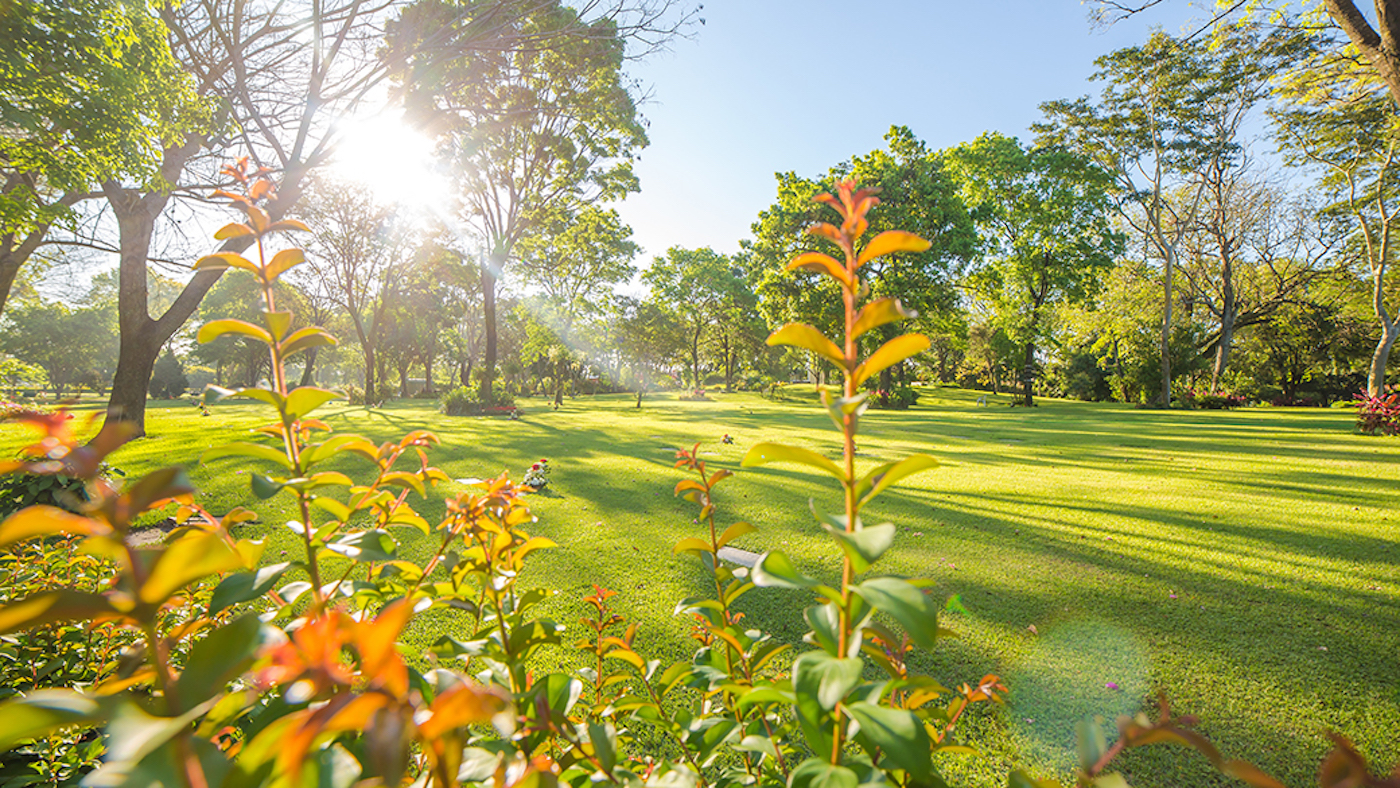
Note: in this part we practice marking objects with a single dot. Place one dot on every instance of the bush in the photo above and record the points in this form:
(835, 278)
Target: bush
(1378, 415)
(464, 401)
(168, 379)
(898, 398)
(460, 401)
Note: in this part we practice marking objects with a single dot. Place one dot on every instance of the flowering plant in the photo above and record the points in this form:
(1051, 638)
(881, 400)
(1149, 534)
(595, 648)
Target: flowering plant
(538, 475)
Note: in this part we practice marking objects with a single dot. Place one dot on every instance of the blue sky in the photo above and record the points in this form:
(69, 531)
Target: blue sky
(769, 86)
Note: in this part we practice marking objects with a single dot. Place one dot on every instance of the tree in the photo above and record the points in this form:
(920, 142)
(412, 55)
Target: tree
(168, 379)
(649, 337)
(698, 287)
(1167, 113)
(74, 346)
(916, 195)
(534, 134)
(89, 90)
(361, 251)
(576, 258)
(1350, 131)
(1252, 252)
(1043, 212)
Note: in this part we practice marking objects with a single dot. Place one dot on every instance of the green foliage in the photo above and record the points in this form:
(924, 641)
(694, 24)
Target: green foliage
(168, 379)
(89, 90)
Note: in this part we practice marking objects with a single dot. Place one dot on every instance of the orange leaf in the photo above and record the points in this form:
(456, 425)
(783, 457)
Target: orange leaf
(45, 521)
(461, 705)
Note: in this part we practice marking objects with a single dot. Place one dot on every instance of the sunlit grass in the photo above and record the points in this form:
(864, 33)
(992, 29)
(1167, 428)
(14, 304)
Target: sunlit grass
(1245, 563)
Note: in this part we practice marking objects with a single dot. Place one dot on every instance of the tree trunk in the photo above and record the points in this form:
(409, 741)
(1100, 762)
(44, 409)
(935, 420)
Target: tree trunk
(1165, 397)
(403, 381)
(1028, 376)
(427, 359)
(695, 358)
(1222, 348)
(488, 302)
(1375, 381)
(886, 379)
(370, 382)
(307, 372)
(464, 372)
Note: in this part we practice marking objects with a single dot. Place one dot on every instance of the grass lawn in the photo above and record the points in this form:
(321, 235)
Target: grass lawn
(1247, 563)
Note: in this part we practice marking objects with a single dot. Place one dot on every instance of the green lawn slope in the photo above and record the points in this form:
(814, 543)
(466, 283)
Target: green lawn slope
(1246, 563)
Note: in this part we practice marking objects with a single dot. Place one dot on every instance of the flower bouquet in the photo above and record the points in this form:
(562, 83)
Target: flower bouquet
(538, 475)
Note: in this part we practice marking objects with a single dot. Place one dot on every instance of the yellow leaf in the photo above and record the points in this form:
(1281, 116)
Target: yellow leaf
(822, 264)
(234, 230)
(691, 544)
(35, 521)
(889, 242)
(889, 354)
(216, 328)
(225, 260)
(878, 313)
(805, 336)
(765, 453)
(186, 560)
(282, 261)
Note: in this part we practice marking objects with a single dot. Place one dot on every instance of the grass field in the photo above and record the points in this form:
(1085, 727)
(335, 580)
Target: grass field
(1246, 563)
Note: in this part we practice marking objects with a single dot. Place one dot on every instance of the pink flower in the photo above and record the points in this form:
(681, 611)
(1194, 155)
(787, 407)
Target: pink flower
(1111, 686)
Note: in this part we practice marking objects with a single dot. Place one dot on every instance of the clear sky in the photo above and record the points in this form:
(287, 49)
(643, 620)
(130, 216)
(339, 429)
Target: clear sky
(768, 86)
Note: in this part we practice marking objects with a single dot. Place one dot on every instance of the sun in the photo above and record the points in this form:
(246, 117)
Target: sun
(394, 161)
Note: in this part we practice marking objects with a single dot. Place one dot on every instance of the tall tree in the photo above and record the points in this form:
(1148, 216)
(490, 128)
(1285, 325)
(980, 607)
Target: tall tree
(533, 133)
(1350, 130)
(89, 90)
(916, 195)
(361, 251)
(697, 286)
(1168, 112)
(1044, 214)
(577, 258)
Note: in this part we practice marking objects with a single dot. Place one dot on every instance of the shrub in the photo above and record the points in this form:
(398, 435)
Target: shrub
(898, 398)
(461, 401)
(168, 379)
(1378, 415)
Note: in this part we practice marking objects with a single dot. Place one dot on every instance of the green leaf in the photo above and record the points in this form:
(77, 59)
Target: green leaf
(889, 242)
(889, 354)
(186, 560)
(1091, 742)
(824, 619)
(244, 586)
(735, 531)
(216, 328)
(691, 544)
(218, 659)
(808, 337)
(828, 679)
(277, 322)
(895, 734)
(817, 773)
(43, 711)
(1019, 779)
(282, 261)
(885, 476)
(901, 600)
(305, 339)
(51, 606)
(244, 449)
(865, 546)
(603, 737)
(878, 313)
(263, 487)
(40, 520)
(765, 453)
(366, 546)
(776, 570)
(308, 398)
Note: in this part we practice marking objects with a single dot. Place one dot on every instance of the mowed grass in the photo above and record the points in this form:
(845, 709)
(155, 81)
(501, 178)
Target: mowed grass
(1245, 563)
